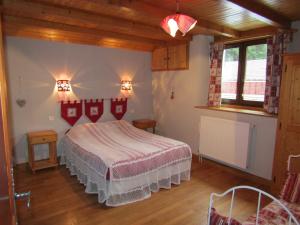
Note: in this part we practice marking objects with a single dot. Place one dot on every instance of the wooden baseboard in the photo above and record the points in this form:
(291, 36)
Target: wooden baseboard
(250, 177)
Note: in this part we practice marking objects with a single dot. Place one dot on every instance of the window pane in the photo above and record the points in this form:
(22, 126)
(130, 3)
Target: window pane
(255, 73)
(230, 73)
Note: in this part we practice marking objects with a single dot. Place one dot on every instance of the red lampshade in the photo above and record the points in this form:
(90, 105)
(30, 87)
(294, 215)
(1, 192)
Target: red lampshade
(178, 21)
(169, 24)
(185, 23)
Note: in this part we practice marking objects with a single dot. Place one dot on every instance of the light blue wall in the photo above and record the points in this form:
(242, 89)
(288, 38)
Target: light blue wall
(179, 119)
(95, 72)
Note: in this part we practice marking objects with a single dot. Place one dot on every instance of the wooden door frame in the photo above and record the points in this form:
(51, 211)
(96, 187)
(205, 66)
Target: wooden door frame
(7, 189)
(280, 154)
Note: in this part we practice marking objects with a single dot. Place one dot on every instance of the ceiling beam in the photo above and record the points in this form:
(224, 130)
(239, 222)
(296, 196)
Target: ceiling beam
(258, 33)
(140, 11)
(263, 13)
(14, 26)
(84, 31)
(83, 19)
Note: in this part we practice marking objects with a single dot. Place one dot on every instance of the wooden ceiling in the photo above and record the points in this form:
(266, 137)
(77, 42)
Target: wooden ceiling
(134, 24)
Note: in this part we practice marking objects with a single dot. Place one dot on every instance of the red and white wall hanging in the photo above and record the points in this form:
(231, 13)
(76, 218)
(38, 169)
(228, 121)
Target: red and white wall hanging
(71, 112)
(93, 110)
(118, 107)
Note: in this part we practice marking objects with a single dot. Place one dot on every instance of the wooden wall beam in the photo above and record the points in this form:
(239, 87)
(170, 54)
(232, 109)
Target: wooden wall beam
(82, 19)
(263, 13)
(23, 27)
(141, 11)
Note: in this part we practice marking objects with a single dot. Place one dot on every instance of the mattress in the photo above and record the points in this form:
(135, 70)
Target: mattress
(121, 163)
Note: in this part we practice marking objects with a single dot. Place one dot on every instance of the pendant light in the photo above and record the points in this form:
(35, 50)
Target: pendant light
(172, 23)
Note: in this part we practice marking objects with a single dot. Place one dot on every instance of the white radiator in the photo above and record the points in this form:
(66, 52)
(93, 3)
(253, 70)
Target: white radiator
(225, 140)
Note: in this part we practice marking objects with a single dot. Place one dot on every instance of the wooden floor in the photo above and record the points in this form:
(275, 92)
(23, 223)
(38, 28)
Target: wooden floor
(58, 198)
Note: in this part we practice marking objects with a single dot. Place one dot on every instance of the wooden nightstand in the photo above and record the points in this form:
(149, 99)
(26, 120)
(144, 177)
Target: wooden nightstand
(145, 124)
(42, 137)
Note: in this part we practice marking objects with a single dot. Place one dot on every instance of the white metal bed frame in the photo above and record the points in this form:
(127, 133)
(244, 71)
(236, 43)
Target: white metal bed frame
(292, 218)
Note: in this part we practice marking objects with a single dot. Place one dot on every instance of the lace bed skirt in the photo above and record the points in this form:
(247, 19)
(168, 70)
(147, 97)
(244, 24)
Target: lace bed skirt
(125, 190)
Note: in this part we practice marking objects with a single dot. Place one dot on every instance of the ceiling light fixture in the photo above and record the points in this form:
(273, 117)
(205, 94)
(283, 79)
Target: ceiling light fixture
(172, 23)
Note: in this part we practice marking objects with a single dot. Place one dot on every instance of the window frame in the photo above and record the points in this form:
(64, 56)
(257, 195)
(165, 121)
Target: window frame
(241, 73)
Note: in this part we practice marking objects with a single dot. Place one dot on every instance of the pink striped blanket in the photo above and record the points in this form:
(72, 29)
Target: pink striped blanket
(274, 214)
(122, 151)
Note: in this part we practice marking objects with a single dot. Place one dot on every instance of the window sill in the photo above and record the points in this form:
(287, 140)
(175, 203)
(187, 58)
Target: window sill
(239, 109)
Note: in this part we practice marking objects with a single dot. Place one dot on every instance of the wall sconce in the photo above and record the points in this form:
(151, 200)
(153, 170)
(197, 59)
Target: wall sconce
(126, 85)
(63, 85)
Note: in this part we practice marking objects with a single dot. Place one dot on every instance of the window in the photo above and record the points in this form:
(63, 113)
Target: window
(244, 73)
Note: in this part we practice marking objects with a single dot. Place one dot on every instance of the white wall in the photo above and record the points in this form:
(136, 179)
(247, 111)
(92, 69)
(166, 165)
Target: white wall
(95, 73)
(180, 120)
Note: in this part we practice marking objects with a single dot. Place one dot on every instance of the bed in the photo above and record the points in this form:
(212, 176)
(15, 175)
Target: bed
(278, 212)
(123, 164)
(282, 211)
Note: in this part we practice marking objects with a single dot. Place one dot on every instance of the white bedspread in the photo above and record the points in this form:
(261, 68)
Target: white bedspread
(122, 163)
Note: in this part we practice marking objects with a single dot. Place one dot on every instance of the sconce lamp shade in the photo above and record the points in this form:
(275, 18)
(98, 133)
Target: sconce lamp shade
(63, 85)
(172, 23)
(126, 85)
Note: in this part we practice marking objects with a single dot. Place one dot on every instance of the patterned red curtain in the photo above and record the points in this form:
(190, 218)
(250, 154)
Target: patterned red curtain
(216, 57)
(276, 48)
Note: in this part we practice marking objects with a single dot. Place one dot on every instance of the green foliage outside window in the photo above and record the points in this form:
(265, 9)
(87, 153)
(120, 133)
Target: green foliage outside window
(257, 52)
(253, 52)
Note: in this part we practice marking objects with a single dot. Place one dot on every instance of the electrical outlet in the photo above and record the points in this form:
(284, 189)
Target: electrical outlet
(51, 118)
